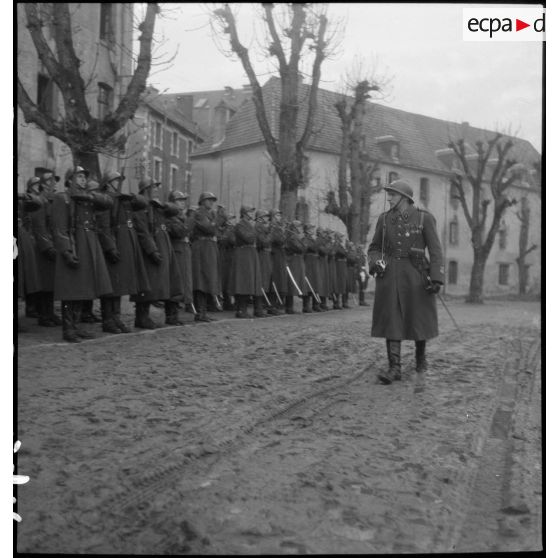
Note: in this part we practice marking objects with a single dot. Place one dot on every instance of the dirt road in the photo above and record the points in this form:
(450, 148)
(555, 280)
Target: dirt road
(271, 436)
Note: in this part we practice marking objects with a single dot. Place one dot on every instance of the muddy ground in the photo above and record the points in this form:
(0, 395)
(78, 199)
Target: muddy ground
(272, 436)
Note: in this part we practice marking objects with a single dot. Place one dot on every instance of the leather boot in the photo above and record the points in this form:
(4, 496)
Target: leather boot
(306, 308)
(345, 300)
(116, 305)
(420, 356)
(271, 310)
(109, 325)
(242, 306)
(259, 307)
(289, 305)
(362, 299)
(228, 306)
(49, 308)
(143, 320)
(323, 305)
(394, 358)
(316, 305)
(201, 307)
(80, 332)
(42, 307)
(68, 324)
(171, 313)
(337, 302)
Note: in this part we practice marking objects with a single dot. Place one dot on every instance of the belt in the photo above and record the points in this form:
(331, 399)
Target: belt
(212, 238)
(400, 256)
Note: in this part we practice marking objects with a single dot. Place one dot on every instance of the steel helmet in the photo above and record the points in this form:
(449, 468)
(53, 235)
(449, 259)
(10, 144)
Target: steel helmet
(400, 187)
(177, 195)
(206, 196)
(245, 209)
(112, 175)
(32, 182)
(262, 213)
(45, 177)
(146, 183)
(76, 170)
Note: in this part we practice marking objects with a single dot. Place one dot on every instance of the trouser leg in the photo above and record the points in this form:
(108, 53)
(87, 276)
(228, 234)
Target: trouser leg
(68, 322)
(242, 306)
(43, 310)
(259, 307)
(201, 306)
(116, 309)
(107, 315)
(289, 304)
(394, 358)
(345, 299)
(306, 304)
(143, 320)
(171, 313)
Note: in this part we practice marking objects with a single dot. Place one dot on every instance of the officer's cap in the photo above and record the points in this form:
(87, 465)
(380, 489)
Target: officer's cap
(207, 196)
(400, 187)
(32, 181)
(46, 174)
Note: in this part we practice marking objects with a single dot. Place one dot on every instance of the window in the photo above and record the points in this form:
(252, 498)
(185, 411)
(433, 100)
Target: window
(395, 151)
(105, 28)
(454, 232)
(174, 177)
(503, 274)
(157, 130)
(424, 191)
(104, 101)
(157, 166)
(503, 237)
(174, 144)
(392, 176)
(454, 196)
(189, 147)
(46, 96)
(452, 273)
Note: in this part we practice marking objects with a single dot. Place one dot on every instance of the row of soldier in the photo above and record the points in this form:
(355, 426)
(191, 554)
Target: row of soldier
(93, 241)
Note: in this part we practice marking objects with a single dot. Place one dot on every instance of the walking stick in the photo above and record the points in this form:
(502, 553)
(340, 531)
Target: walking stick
(265, 296)
(293, 280)
(317, 297)
(277, 293)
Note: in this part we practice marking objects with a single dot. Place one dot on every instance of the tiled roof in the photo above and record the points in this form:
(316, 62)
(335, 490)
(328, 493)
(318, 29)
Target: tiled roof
(419, 136)
(170, 111)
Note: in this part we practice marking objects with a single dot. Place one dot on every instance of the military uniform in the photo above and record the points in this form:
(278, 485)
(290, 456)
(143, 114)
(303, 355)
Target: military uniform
(279, 276)
(312, 272)
(80, 273)
(341, 272)
(225, 243)
(263, 246)
(205, 257)
(294, 251)
(323, 248)
(29, 281)
(403, 308)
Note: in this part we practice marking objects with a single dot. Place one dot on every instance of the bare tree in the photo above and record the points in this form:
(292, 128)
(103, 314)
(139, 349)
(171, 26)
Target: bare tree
(299, 31)
(524, 216)
(488, 173)
(354, 196)
(85, 135)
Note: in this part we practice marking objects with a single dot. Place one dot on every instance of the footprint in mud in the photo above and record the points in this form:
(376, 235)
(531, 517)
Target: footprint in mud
(293, 547)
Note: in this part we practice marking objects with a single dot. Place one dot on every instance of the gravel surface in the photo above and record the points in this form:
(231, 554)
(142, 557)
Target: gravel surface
(272, 436)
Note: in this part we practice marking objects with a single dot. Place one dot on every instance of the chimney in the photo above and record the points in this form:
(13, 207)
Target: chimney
(229, 91)
(219, 122)
(185, 104)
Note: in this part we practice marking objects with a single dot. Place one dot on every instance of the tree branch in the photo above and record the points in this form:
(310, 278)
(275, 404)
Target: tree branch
(276, 49)
(457, 181)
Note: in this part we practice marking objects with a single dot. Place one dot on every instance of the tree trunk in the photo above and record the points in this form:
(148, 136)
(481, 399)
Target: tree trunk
(523, 271)
(476, 284)
(287, 204)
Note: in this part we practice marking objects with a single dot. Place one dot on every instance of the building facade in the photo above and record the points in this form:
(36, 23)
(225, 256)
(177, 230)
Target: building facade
(406, 145)
(102, 37)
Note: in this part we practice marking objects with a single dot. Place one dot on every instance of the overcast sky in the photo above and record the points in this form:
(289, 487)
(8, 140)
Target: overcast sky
(494, 85)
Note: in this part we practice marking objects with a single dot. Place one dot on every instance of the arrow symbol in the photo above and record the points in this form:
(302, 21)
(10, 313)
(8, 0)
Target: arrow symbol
(519, 25)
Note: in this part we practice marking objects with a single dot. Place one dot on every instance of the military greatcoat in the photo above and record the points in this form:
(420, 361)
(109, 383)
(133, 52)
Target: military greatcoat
(246, 274)
(278, 258)
(323, 267)
(74, 230)
(178, 228)
(294, 250)
(29, 280)
(403, 309)
(44, 243)
(341, 268)
(117, 233)
(205, 254)
(263, 245)
(164, 278)
(311, 266)
(225, 242)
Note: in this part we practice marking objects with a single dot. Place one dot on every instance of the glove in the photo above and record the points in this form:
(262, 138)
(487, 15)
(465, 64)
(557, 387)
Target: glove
(71, 261)
(155, 257)
(112, 256)
(377, 270)
(434, 287)
(50, 254)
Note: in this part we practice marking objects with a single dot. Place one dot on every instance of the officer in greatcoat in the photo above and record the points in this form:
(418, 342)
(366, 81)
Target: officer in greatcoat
(45, 251)
(312, 270)
(246, 279)
(123, 254)
(225, 242)
(205, 256)
(406, 283)
(279, 277)
(294, 251)
(263, 245)
(159, 259)
(179, 229)
(80, 273)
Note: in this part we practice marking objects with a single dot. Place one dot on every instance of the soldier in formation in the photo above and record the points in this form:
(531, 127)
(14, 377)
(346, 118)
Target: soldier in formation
(94, 241)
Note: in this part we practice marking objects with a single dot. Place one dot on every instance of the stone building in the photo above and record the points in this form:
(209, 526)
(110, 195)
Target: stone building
(102, 36)
(412, 146)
